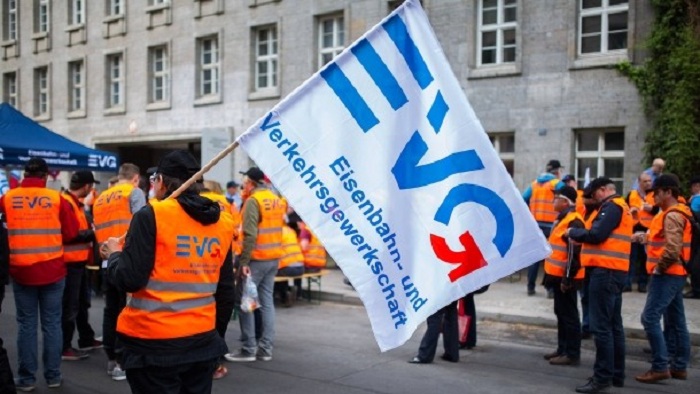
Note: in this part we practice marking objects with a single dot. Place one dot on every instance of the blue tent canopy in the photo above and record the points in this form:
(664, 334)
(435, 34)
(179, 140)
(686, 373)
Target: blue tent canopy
(22, 138)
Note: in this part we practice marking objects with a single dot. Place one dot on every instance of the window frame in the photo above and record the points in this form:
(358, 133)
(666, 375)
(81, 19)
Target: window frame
(213, 65)
(10, 88)
(495, 138)
(42, 92)
(43, 18)
(499, 27)
(79, 87)
(338, 34)
(601, 154)
(111, 82)
(270, 59)
(76, 12)
(115, 8)
(11, 20)
(163, 74)
(604, 11)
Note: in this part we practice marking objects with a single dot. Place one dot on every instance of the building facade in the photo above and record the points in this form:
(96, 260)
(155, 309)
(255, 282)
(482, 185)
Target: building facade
(142, 77)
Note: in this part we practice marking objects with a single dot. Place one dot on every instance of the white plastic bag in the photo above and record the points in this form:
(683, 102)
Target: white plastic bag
(249, 299)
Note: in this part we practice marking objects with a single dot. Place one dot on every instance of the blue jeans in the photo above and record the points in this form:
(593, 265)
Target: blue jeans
(638, 269)
(605, 314)
(263, 275)
(47, 299)
(665, 298)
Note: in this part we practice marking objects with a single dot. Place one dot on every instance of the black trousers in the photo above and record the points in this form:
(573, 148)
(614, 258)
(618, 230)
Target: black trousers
(71, 301)
(568, 323)
(86, 335)
(192, 378)
(470, 310)
(7, 381)
(444, 320)
(115, 301)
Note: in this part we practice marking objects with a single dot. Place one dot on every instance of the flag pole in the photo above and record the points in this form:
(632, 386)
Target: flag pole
(230, 148)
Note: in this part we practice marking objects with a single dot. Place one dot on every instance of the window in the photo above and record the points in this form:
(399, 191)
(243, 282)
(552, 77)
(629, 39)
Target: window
(331, 38)
(9, 89)
(603, 26)
(76, 12)
(504, 144)
(157, 2)
(496, 38)
(115, 80)
(115, 7)
(41, 20)
(76, 85)
(10, 20)
(602, 153)
(209, 66)
(41, 92)
(266, 58)
(159, 74)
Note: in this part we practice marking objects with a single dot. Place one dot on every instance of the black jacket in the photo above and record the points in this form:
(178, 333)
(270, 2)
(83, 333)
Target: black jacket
(130, 270)
(609, 217)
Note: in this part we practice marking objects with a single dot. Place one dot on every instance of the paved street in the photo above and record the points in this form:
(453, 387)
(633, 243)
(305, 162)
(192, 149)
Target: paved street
(330, 349)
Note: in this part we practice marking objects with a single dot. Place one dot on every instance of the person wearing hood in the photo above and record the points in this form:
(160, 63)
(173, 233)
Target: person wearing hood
(176, 261)
(539, 196)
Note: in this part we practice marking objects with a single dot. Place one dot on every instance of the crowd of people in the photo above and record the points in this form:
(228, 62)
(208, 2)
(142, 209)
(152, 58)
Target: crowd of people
(602, 242)
(169, 283)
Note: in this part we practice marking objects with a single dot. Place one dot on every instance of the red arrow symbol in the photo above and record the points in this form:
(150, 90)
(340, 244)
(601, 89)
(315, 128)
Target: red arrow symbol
(469, 260)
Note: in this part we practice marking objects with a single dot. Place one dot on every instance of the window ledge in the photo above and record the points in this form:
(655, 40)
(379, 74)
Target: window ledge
(40, 35)
(113, 18)
(114, 111)
(80, 113)
(208, 100)
(493, 71)
(8, 43)
(157, 7)
(158, 106)
(264, 94)
(598, 60)
(42, 118)
(75, 27)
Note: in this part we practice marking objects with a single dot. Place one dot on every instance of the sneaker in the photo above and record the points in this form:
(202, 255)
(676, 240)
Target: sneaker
(110, 366)
(531, 292)
(54, 383)
(94, 345)
(263, 355)
(118, 373)
(240, 356)
(71, 354)
(220, 372)
(25, 387)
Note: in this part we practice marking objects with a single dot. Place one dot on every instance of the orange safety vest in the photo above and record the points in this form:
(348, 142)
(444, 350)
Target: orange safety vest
(268, 245)
(613, 253)
(33, 225)
(112, 212)
(292, 256)
(218, 198)
(315, 254)
(237, 245)
(77, 253)
(541, 199)
(555, 264)
(178, 300)
(644, 218)
(580, 207)
(657, 242)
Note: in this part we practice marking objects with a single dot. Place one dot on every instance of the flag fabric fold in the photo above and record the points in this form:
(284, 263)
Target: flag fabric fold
(382, 156)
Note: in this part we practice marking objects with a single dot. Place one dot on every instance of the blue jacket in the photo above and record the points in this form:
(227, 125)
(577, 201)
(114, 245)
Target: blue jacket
(544, 177)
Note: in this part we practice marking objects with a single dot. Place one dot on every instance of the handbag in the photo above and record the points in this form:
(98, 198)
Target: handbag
(463, 321)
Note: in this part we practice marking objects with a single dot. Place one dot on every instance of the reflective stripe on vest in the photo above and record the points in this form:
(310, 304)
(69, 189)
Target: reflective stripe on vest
(315, 254)
(555, 264)
(657, 242)
(112, 212)
(77, 253)
(178, 300)
(33, 225)
(268, 244)
(542, 201)
(613, 253)
(292, 256)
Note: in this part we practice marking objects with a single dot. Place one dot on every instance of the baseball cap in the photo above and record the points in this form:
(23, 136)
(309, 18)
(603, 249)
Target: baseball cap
(568, 178)
(83, 178)
(230, 184)
(598, 183)
(178, 164)
(255, 174)
(568, 192)
(554, 165)
(694, 180)
(36, 165)
(666, 181)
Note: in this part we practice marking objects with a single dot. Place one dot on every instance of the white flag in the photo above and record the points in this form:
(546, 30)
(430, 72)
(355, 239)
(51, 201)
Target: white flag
(382, 156)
